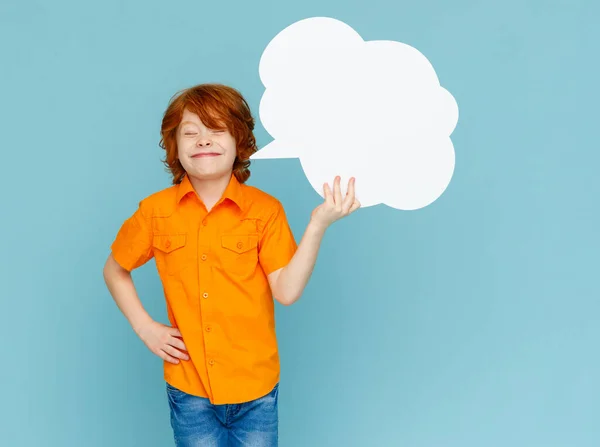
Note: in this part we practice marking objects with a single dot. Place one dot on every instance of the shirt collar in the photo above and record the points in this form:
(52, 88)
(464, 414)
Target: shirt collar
(233, 191)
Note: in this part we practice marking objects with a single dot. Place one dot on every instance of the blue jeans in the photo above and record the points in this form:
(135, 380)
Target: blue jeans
(197, 422)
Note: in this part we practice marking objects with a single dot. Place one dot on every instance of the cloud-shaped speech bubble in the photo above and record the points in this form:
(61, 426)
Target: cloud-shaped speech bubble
(374, 110)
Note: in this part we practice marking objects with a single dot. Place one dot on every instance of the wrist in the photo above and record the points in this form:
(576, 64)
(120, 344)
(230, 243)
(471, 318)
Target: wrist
(316, 227)
(140, 322)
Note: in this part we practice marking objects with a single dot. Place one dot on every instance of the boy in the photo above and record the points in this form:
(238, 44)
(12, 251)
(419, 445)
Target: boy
(223, 251)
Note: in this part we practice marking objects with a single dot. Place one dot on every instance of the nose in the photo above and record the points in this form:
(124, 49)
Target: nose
(203, 141)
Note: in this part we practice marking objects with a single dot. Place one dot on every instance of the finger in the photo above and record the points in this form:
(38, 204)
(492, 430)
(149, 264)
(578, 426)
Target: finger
(177, 343)
(354, 207)
(166, 357)
(337, 191)
(328, 193)
(175, 332)
(349, 199)
(175, 352)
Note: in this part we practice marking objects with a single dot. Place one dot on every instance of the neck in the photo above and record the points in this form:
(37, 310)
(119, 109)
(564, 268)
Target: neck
(210, 190)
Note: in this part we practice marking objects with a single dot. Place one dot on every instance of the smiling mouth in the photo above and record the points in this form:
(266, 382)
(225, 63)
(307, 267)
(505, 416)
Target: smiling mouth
(205, 154)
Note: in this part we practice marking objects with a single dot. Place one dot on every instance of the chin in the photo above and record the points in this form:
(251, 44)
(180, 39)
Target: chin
(214, 175)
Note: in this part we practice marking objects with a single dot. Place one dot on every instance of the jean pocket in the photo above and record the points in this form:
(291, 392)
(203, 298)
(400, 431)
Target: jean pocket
(273, 393)
(174, 391)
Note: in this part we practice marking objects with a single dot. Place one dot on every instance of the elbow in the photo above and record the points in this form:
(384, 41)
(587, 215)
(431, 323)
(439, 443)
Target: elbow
(287, 300)
(106, 272)
(283, 292)
(284, 302)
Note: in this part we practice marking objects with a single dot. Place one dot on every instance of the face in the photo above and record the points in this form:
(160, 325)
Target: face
(206, 154)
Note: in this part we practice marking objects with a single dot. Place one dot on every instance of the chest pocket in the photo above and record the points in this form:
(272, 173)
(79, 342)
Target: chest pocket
(170, 252)
(239, 253)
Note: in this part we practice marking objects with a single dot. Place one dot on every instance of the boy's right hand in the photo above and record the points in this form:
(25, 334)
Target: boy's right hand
(164, 341)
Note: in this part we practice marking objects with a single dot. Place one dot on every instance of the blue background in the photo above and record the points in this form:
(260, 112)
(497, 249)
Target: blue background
(472, 322)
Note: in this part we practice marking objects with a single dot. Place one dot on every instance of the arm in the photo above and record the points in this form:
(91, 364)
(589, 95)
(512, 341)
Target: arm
(160, 339)
(120, 285)
(288, 283)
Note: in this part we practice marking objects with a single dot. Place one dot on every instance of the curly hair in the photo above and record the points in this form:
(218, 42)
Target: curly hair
(217, 106)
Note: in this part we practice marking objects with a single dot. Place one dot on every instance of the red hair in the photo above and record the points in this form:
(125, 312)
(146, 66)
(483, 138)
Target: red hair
(217, 106)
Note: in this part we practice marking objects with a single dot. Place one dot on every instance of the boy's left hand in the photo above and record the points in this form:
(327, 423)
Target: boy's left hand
(334, 207)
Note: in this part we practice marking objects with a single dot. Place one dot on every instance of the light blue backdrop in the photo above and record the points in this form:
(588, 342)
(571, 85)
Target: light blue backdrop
(472, 322)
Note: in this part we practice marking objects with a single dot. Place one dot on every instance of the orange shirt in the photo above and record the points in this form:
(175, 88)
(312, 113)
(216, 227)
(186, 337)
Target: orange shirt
(214, 267)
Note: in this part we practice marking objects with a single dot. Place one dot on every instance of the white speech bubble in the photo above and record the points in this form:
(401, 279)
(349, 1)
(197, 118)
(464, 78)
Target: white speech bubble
(374, 110)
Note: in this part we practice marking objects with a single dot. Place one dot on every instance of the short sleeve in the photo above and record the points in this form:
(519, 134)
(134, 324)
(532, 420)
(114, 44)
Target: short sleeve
(277, 244)
(132, 246)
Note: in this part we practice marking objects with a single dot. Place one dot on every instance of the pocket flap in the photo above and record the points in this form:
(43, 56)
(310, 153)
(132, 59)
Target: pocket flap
(239, 243)
(168, 242)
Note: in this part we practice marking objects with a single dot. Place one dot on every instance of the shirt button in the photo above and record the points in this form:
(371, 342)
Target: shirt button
(203, 257)
(205, 295)
(208, 329)
(240, 245)
(167, 244)
(211, 362)
(204, 222)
